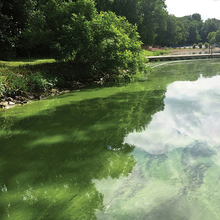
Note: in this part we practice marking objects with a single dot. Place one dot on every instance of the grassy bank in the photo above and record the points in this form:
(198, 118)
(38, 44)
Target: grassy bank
(156, 53)
(20, 77)
(26, 79)
(21, 80)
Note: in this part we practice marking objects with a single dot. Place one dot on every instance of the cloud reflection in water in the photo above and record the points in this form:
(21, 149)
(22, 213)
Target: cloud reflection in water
(191, 113)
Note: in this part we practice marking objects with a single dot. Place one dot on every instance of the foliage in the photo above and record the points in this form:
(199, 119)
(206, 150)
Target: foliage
(194, 46)
(200, 45)
(209, 26)
(14, 16)
(36, 82)
(193, 32)
(153, 15)
(89, 40)
(14, 83)
(206, 45)
(148, 15)
(39, 27)
(217, 37)
(17, 78)
(2, 87)
(196, 17)
(193, 25)
(174, 33)
(211, 37)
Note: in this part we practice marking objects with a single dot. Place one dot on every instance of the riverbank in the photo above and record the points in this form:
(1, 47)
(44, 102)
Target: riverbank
(33, 79)
(25, 80)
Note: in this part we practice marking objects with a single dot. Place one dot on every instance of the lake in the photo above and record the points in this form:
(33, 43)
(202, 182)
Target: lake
(144, 150)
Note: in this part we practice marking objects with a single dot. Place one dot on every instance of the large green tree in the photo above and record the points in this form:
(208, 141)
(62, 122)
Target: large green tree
(148, 15)
(13, 19)
(209, 25)
(193, 25)
(175, 32)
(211, 37)
(93, 41)
(128, 8)
(104, 5)
(217, 37)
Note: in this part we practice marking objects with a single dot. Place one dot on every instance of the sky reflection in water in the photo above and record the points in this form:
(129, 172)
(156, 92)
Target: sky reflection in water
(191, 113)
(177, 171)
(145, 150)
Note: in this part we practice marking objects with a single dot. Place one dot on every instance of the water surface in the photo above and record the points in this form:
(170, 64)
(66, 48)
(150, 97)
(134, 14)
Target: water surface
(145, 150)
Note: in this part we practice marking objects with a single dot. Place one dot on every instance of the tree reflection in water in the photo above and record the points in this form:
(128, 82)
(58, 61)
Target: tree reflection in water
(50, 157)
(55, 154)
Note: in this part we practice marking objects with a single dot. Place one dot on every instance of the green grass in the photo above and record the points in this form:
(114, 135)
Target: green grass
(39, 76)
(19, 62)
(156, 53)
(22, 76)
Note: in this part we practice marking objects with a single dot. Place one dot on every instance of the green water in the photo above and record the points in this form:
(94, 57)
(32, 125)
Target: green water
(145, 150)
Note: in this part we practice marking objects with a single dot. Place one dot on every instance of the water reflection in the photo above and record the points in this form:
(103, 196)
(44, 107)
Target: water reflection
(192, 112)
(177, 154)
(50, 158)
(123, 152)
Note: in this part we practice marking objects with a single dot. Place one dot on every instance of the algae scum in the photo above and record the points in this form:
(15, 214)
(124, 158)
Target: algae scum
(146, 150)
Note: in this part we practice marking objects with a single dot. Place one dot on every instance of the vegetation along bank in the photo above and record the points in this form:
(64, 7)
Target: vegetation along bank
(89, 41)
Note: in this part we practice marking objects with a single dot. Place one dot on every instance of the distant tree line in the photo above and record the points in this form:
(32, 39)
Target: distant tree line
(80, 29)
(156, 26)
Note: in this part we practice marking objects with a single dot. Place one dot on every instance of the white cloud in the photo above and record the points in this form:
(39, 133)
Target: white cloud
(191, 114)
(207, 8)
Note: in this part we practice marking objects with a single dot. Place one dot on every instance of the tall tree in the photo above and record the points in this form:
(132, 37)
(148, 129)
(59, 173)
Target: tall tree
(194, 36)
(128, 8)
(148, 15)
(196, 17)
(211, 37)
(217, 37)
(152, 17)
(14, 16)
(89, 40)
(104, 5)
(193, 25)
(209, 25)
(175, 32)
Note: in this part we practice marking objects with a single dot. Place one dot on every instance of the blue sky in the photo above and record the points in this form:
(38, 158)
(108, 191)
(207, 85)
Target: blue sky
(207, 8)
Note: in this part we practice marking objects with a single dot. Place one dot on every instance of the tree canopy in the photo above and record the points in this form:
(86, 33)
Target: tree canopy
(77, 33)
(80, 30)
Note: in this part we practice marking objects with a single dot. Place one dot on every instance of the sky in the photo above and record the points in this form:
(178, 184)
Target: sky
(206, 8)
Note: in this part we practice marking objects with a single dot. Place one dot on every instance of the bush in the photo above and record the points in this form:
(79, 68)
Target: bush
(200, 45)
(2, 87)
(14, 83)
(109, 44)
(91, 41)
(206, 45)
(194, 46)
(37, 82)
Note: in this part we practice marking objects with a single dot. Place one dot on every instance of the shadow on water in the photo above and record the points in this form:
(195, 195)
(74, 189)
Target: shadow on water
(49, 161)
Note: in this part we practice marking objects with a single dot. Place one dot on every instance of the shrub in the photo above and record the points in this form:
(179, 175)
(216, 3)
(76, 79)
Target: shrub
(206, 45)
(200, 45)
(2, 87)
(194, 46)
(14, 83)
(91, 41)
(38, 82)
